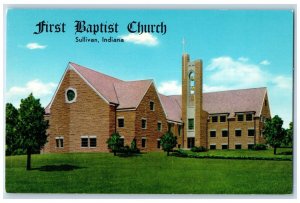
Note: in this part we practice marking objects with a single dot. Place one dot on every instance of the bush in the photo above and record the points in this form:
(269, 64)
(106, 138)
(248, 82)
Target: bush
(198, 149)
(260, 147)
(127, 150)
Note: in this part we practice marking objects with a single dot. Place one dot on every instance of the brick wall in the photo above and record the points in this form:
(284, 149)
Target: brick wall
(88, 116)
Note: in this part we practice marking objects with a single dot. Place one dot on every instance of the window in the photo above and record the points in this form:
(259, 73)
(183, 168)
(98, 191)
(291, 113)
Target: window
(179, 146)
(70, 95)
(212, 146)
(120, 122)
(93, 142)
(224, 146)
(88, 141)
(151, 105)
(159, 126)
(240, 117)
(224, 133)
(238, 133)
(249, 117)
(213, 133)
(214, 119)
(251, 132)
(158, 144)
(143, 142)
(59, 142)
(144, 123)
(250, 146)
(84, 142)
(238, 146)
(191, 123)
(222, 119)
(179, 129)
(192, 82)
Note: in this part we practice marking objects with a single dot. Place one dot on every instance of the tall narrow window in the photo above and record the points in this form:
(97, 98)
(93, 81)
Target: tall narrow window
(170, 126)
(249, 117)
(192, 82)
(93, 141)
(151, 105)
(59, 142)
(158, 144)
(144, 123)
(84, 141)
(191, 123)
(179, 130)
(143, 142)
(159, 126)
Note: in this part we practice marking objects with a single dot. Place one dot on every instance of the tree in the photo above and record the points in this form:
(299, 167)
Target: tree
(168, 142)
(288, 140)
(114, 142)
(31, 126)
(11, 122)
(273, 132)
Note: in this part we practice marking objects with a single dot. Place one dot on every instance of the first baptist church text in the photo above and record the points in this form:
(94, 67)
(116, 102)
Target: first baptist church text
(82, 26)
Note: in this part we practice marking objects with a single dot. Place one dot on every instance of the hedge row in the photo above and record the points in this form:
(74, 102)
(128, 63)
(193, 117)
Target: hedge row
(181, 153)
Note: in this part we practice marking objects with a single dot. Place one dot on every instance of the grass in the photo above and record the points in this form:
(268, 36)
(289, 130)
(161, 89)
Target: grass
(150, 173)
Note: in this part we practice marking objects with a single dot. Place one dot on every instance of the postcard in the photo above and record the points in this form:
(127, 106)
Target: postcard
(149, 101)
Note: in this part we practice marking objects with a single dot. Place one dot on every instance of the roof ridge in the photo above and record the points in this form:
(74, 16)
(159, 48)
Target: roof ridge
(234, 90)
(96, 71)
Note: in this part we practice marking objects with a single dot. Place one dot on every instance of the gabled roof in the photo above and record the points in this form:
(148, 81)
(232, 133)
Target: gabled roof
(171, 107)
(233, 101)
(129, 94)
(125, 94)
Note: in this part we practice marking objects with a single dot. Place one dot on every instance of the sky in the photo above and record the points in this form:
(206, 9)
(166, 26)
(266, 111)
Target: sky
(240, 49)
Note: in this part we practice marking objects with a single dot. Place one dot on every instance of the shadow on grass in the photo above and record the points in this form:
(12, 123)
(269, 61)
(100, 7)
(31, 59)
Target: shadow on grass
(129, 155)
(61, 167)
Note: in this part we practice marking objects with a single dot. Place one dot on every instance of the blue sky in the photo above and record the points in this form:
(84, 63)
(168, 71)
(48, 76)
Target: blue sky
(239, 49)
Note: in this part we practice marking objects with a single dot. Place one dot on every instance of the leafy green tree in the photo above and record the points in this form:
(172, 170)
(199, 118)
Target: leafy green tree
(11, 123)
(273, 132)
(114, 142)
(288, 140)
(31, 127)
(168, 142)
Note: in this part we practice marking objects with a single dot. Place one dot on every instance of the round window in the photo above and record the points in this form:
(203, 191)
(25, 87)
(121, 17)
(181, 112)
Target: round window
(70, 95)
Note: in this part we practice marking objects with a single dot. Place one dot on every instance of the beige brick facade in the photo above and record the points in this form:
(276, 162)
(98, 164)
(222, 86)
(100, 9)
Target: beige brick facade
(92, 117)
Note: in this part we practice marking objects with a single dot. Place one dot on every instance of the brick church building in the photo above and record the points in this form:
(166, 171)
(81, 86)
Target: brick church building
(89, 106)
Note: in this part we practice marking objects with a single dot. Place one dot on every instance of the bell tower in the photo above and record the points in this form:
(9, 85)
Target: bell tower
(193, 116)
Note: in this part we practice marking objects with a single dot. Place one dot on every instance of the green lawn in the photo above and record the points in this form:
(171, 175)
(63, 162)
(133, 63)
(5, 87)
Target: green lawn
(152, 173)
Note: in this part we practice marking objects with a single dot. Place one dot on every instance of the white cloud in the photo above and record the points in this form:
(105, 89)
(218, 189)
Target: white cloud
(172, 87)
(243, 59)
(38, 88)
(283, 82)
(143, 39)
(226, 71)
(35, 45)
(208, 88)
(265, 62)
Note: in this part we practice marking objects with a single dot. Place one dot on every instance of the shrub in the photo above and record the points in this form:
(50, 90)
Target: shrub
(198, 149)
(260, 147)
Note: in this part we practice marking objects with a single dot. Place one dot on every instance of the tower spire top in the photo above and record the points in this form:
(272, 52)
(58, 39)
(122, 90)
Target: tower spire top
(183, 45)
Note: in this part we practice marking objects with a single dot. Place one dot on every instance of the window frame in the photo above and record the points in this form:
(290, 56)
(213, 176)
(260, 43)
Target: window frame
(212, 119)
(144, 119)
(121, 118)
(224, 130)
(153, 106)
(251, 129)
(224, 120)
(66, 95)
(238, 116)
(236, 131)
(224, 145)
(189, 123)
(214, 132)
(210, 146)
(159, 127)
(145, 143)
(247, 114)
(59, 142)
(237, 144)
